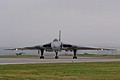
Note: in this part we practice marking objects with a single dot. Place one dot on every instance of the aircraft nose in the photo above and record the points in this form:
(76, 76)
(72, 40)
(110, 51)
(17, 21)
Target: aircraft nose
(55, 46)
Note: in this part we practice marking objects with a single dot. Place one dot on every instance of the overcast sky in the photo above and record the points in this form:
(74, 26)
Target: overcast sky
(82, 22)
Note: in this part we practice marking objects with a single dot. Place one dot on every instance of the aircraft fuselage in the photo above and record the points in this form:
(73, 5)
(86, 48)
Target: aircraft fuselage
(56, 45)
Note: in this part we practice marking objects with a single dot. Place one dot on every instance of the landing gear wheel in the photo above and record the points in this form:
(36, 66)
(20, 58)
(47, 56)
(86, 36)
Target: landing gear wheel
(74, 57)
(56, 57)
(41, 57)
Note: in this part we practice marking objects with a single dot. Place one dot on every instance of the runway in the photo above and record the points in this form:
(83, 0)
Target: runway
(49, 60)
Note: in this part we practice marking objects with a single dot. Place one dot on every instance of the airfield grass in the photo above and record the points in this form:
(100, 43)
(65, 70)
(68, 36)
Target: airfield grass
(19, 56)
(79, 55)
(61, 71)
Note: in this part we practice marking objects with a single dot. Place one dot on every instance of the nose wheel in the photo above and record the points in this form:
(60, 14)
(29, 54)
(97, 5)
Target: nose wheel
(74, 57)
(56, 57)
(41, 57)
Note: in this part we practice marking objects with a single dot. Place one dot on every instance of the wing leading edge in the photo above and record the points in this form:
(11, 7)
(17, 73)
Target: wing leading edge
(72, 47)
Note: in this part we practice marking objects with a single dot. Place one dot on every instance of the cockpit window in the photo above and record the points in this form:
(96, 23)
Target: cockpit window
(55, 40)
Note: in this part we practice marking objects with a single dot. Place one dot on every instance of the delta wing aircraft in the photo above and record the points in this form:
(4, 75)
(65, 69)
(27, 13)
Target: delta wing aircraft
(57, 46)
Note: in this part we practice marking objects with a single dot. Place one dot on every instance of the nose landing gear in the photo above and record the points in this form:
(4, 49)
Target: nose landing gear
(56, 57)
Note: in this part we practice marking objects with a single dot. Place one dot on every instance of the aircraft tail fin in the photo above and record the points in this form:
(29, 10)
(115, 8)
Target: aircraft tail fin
(60, 35)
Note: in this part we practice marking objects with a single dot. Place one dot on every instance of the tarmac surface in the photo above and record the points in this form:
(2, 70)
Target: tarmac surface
(52, 60)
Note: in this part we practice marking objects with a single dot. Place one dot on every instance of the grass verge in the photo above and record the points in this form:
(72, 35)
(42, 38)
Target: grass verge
(61, 71)
(79, 55)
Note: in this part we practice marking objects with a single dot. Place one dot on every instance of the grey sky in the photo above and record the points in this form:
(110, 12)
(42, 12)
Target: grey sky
(83, 22)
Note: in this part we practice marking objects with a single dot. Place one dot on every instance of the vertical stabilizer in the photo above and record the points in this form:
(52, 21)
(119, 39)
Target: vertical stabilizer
(60, 35)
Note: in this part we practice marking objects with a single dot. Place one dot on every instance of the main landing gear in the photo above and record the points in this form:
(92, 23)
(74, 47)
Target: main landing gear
(75, 51)
(56, 52)
(42, 52)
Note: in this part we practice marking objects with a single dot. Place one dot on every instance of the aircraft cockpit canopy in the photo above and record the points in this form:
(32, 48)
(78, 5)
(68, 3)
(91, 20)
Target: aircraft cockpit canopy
(55, 40)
